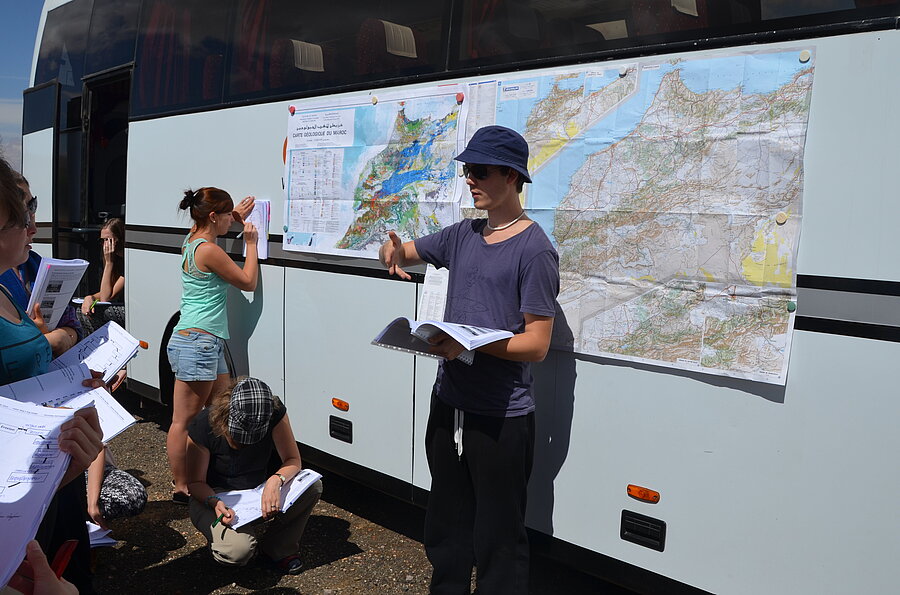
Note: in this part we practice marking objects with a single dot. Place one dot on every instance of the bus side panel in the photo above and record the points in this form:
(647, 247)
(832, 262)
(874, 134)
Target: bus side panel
(153, 290)
(761, 492)
(850, 188)
(168, 155)
(255, 321)
(426, 368)
(329, 322)
(37, 167)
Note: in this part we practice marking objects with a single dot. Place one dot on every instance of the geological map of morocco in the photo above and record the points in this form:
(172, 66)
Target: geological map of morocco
(673, 192)
(361, 168)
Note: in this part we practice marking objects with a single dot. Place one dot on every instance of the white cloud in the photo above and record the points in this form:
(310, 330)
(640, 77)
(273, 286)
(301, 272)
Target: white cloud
(11, 131)
(10, 114)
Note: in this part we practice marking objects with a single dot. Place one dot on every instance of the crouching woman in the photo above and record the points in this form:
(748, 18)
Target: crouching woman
(229, 447)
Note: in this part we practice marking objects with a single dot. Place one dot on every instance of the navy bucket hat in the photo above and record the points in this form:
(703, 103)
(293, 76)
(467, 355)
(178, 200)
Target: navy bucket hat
(497, 145)
(250, 411)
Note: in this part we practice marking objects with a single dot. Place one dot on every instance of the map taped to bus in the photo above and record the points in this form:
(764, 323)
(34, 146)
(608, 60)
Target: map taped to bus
(371, 164)
(671, 189)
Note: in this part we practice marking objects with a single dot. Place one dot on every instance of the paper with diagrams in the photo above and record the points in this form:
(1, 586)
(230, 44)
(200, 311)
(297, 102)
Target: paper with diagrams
(247, 504)
(31, 469)
(63, 388)
(105, 350)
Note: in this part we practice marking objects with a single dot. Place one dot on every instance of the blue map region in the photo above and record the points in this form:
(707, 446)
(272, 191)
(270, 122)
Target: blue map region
(755, 73)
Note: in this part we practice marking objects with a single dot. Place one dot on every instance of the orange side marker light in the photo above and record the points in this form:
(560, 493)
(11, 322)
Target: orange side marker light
(340, 404)
(643, 494)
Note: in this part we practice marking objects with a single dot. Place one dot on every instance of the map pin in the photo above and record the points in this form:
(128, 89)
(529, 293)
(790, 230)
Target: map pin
(292, 109)
(460, 97)
(805, 55)
(374, 100)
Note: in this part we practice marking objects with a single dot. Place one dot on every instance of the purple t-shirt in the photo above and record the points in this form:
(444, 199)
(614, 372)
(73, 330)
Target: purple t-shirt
(492, 285)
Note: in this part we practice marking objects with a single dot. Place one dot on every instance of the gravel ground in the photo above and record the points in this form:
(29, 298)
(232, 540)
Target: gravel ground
(357, 542)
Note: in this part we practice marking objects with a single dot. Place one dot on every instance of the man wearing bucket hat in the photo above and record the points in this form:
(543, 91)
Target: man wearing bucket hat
(504, 273)
(229, 447)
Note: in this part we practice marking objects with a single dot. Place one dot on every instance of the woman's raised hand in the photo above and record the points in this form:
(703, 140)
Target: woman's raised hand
(109, 248)
(243, 209)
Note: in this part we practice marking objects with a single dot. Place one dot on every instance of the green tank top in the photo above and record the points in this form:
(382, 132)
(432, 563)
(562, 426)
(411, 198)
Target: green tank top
(203, 295)
(24, 351)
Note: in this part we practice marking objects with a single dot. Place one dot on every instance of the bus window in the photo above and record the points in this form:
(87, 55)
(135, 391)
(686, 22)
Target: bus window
(113, 32)
(62, 56)
(280, 47)
(506, 31)
(180, 55)
(39, 108)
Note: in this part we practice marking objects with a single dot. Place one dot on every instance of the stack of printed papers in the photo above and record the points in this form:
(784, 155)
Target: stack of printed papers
(259, 216)
(247, 504)
(54, 285)
(31, 469)
(99, 536)
(64, 388)
(105, 350)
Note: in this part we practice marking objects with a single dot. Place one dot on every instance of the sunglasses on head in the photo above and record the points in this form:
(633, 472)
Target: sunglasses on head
(477, 170)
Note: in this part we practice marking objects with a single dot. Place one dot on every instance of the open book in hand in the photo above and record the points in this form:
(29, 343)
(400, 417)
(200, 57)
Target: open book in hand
(105, 350)
(246, 504)
(413, 336)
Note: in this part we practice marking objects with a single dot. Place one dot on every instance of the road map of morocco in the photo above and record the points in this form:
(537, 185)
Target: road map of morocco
(673, 192)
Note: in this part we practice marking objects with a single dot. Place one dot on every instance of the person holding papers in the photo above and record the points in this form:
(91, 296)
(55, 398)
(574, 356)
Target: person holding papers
(25, 352)
(229, 447)
(19, 279)
(35, 575)
(112, 281)
(504, 274)
(197, 348)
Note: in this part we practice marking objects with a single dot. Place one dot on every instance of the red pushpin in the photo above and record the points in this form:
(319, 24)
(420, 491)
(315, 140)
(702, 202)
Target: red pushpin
(292, 109)
(460, 97)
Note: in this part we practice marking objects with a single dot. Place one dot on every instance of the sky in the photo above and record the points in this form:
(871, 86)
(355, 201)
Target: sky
(18, 28)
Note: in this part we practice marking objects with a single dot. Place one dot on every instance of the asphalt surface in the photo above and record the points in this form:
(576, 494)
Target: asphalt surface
(358, 541)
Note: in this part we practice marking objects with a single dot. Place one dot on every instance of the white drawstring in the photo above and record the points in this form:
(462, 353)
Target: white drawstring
(458, 431)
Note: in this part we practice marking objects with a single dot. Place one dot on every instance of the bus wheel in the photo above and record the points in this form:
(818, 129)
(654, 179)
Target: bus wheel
(166, 375)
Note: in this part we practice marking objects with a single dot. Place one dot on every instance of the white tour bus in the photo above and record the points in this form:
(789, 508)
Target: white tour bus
(718, 410)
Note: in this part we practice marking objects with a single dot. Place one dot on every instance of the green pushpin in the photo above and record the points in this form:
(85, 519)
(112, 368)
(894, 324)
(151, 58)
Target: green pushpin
(285, 228)
(791, 306)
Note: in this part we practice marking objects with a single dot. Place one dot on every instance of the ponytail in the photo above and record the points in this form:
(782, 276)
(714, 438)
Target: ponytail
(190, 198)
(203, 201)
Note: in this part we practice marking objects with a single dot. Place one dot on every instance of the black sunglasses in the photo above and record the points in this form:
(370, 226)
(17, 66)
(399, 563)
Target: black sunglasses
(477, 171)
(30, 210)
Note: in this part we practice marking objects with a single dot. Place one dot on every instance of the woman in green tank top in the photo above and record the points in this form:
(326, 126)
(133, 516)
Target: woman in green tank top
(196, 349)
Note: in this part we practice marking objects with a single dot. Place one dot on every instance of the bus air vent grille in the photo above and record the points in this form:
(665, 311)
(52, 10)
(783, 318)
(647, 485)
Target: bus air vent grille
(340, 429)
(643, 530)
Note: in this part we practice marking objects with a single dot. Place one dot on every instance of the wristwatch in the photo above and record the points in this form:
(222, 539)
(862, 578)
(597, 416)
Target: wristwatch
(281, 477)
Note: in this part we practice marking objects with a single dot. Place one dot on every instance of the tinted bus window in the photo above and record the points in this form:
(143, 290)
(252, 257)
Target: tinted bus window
(113, 31)
(61, 56)
(505, 31)
(280, 46)
(39, 108)
(179, 62)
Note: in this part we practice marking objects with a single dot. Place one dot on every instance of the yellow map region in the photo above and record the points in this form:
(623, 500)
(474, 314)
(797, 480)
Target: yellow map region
(767, 263)
(553, 147)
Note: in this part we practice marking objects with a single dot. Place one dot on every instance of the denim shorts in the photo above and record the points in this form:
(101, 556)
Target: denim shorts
(196, 356)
